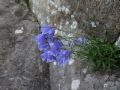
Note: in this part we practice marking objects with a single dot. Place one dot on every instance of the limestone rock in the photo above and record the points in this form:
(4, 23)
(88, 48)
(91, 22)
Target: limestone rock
(96, 18)
(20, 65)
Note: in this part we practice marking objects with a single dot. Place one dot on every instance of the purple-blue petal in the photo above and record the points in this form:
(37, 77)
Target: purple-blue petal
(48, 30)
(55, 46)
(63, 57)
(43, 46)
(54, 42)
(47, 56)
(40, 39)
(62, 61)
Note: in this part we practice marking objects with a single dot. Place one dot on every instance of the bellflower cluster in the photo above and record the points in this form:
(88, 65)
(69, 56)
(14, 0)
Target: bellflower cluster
(51, 47)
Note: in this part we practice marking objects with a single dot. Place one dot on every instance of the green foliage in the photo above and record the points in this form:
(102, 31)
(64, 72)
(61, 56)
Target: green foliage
(100, 55)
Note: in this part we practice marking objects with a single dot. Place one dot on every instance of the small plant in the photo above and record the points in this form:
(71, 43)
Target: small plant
(100, 55)
(51, 46)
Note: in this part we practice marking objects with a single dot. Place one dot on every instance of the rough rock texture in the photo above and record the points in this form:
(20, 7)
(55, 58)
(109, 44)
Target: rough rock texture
(97, 18)
(20, 66)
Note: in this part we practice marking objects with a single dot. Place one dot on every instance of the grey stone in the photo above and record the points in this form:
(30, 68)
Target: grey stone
(20, 65)
(96, 18)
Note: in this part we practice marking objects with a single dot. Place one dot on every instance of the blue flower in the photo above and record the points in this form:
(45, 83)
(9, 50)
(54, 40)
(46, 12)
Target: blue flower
(47, 56)
(40, 38)
(63, 57)
(55, 45)
(51, 46)
(47, 30)
(43, 47)
(81, 41)
(41, 41)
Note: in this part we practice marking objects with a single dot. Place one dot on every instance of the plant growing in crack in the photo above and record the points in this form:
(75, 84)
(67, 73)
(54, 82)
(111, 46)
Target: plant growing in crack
(99, 54)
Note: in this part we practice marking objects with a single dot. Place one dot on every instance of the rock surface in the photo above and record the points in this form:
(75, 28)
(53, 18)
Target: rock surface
(20, 66)
(97, 18)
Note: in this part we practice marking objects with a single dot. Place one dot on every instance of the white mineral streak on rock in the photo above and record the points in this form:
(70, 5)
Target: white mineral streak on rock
(109, 84)
(11, 79)
(51, 2)
(75, 84)
(33, 9)
(93, 24)
(72, 16)
(19, 31)
(55, 24)
(74, 25)
(117, 43)
(56, 6)
(59, 9)
(71, 61)
(67, 11)
(48, 19)
(84, 70)
(48, 7)
(63, 8)
(56, 32)
(105, 85)
(87, 9)
(67, 23)
(59, 87)
(22, 28)
(53, 12)
(55, 63)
